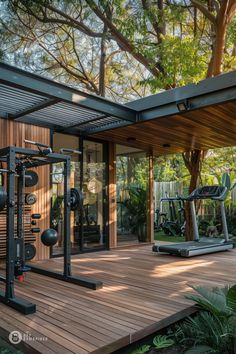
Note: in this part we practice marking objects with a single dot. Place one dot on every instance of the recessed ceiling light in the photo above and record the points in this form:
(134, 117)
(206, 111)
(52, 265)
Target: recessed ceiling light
(131, 138)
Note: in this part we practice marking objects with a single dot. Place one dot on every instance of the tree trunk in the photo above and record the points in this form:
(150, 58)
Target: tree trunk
(102, 63)
(218, 50)
(193, 162)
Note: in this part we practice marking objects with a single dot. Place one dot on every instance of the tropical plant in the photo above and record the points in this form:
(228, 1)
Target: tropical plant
(162, 341)
(136, 206)
(142, 350)
(159, 342)
(213, 329)
(227, 180)
(57, 210)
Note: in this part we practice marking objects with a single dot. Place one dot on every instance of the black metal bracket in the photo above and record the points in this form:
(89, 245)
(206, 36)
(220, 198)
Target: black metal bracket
(19, 304)
(82, 281)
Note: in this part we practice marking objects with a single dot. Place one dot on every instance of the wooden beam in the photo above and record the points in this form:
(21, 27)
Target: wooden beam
(112, 197)
(150, 202)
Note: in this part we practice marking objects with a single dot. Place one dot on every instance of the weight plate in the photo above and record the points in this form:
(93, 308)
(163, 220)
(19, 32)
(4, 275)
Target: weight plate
(32, 180)
(76, 199)
(30, 252)
(3, 198)
(30, 199)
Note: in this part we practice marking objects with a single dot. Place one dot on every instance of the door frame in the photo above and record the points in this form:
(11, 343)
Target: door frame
(105, 146)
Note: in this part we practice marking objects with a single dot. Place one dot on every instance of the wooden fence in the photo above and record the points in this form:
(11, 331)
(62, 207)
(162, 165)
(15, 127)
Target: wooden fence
(208, 208)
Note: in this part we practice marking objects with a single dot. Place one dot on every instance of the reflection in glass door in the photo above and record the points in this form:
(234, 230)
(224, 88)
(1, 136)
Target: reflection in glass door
(94, 188)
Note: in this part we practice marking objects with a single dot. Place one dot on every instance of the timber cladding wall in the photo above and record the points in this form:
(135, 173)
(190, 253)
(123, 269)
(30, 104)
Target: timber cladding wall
(13, 133)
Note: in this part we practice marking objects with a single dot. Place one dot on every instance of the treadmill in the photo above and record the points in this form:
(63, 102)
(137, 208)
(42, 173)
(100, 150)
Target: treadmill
(201, 245)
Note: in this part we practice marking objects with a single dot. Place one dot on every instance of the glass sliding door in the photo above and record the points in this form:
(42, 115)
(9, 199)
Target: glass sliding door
(89, 172)
(132, 175)
(95, 195)
(71, 142)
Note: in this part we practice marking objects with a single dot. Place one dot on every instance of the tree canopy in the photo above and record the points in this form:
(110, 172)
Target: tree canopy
(120, 48)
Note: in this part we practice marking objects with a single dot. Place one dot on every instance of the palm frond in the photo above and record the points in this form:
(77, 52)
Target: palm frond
(231, 298)
(212, 301)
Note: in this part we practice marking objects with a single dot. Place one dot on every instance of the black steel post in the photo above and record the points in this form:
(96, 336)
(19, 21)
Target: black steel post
(81, 211)
(10, 244)
(20, 215)
(9, 298)
(67, 238)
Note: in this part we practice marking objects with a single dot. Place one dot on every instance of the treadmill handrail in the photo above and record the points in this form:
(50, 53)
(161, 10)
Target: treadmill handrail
(221, 197)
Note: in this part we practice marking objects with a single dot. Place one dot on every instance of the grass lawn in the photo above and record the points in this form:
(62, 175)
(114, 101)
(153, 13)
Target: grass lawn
(161, 236)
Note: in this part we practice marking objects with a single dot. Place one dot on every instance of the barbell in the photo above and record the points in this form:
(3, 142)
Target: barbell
(76, 200)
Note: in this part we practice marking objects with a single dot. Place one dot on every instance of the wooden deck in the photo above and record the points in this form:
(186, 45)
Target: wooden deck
(142, 293)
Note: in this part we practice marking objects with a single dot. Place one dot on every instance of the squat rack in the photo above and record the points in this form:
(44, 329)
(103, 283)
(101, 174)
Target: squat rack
(18, 160)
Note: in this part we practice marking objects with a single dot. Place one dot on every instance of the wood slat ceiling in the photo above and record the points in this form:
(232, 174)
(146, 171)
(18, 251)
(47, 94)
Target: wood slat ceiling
(210, 127)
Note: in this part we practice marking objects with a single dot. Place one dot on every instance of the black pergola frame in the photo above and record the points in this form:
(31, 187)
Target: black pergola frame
(52, 93)
(108, 115)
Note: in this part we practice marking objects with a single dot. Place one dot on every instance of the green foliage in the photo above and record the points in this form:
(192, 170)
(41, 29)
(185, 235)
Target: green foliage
(201, 349)
(231, 298)
(216, 163)
(225, 180)
(136, 205)
(148, 48)
(159, 342)
(182, 62)
(57, 209)
(162, 341)
(9, 351)
(214, 301)
(142, 350)
(214, 327)
(170, 168)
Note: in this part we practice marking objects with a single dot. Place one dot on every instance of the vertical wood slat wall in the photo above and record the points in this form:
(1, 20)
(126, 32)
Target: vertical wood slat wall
(14, 133)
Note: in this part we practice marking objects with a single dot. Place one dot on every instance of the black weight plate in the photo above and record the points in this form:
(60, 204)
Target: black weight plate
(33, 180)
(3, 198)
(76, 199)
(30, 251)
(30, 199)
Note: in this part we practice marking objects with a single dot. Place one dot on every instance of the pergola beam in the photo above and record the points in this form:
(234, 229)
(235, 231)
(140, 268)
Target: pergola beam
(192, 103)
(35, 108)
(25, 81)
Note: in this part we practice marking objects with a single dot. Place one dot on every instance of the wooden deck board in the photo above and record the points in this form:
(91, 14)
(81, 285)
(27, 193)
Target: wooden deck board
(143, 292)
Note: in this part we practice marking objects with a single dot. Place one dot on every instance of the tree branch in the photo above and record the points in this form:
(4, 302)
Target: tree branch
(204, 10)
(122, 41)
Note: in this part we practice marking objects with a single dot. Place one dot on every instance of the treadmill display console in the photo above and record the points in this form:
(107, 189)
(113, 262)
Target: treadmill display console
(207, 192)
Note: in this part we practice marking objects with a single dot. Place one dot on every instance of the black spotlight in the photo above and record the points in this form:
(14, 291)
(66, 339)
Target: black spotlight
(182, 105)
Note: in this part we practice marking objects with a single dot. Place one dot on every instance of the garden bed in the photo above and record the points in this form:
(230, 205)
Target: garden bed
(210, 330)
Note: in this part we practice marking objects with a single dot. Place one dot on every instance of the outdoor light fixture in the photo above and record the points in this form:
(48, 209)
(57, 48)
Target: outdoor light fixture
(182, 105)
(165, 145)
